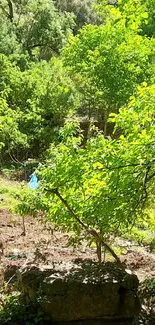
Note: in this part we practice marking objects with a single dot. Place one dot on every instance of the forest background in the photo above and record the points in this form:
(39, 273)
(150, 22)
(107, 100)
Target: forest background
(77, 94)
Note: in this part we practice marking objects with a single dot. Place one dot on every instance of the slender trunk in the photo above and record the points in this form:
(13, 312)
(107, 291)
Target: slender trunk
(105, 123)
(104, 254)
(23, 223)
(99, 251)
(111, 251)
(94, 233)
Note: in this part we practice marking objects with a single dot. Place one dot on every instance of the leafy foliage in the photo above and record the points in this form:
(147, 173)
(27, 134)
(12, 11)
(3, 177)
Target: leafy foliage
(13, 309)
(34, 103)
(99, 180)
(142, 11)
(101, 68)
(110, 61)
(138, 14)
(8, 41)
(106, 185)
(83, 10)
(10, 135)
(37, 27)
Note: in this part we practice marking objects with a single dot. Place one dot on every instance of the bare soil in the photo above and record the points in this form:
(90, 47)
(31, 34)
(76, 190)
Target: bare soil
(40, 246)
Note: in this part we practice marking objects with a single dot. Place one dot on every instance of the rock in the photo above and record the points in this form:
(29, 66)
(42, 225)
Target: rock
(82, 290)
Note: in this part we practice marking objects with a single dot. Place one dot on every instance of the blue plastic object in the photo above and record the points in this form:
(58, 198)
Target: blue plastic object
(33, 183)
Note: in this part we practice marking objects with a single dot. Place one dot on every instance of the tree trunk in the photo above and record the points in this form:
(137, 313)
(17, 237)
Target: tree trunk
(23, 223)
(106, 115)
(104, 254)
(99, 251)
(10, 5)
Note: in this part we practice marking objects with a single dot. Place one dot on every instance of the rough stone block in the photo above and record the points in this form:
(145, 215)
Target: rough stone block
(82, 290)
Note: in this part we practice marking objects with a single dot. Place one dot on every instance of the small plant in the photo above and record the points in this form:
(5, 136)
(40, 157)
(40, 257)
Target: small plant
(14, 221)
(14, 310)
(147, 298)
(152, 245)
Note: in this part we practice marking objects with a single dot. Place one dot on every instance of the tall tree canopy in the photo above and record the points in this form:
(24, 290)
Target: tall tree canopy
(38, 100)
(36, 27)
(139, 13)
(97, 72)
(110, 60)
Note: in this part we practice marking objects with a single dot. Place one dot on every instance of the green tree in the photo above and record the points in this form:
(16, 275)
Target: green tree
(40, 98)
(110, 60)
(11, 138)
(148, 28)
(84, 11)
(37, 27)
(144, 9)
(138, 13)
(8, 40)
(104, 188)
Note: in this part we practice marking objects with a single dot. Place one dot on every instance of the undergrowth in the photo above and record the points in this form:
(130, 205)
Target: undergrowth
(10, 193)
(14, 310)
(143, 237)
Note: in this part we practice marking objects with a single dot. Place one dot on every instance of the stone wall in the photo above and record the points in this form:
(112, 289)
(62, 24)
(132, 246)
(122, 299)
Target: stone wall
(81, 290)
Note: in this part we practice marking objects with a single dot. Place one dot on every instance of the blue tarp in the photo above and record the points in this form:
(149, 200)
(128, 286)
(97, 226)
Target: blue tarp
(33, 183)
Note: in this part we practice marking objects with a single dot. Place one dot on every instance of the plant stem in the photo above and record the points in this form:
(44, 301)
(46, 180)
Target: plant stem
(99, 251)
(23, 222)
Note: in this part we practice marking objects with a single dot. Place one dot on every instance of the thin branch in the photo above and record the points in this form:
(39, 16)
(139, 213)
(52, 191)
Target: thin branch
(15, 160)
(4, 11)
(145, 181)
(130, 165)
(55, 191)
(144, 193)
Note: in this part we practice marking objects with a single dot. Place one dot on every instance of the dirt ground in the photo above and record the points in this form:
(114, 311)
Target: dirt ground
(40, 246)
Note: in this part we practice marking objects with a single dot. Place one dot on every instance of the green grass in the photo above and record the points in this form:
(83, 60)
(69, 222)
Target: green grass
(10, 192)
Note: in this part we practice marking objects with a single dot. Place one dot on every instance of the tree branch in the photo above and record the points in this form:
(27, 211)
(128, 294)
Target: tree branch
(55, 191)
(129, 165)
(10, 5)
(4, 11)
(9, 14)
(145, 181)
